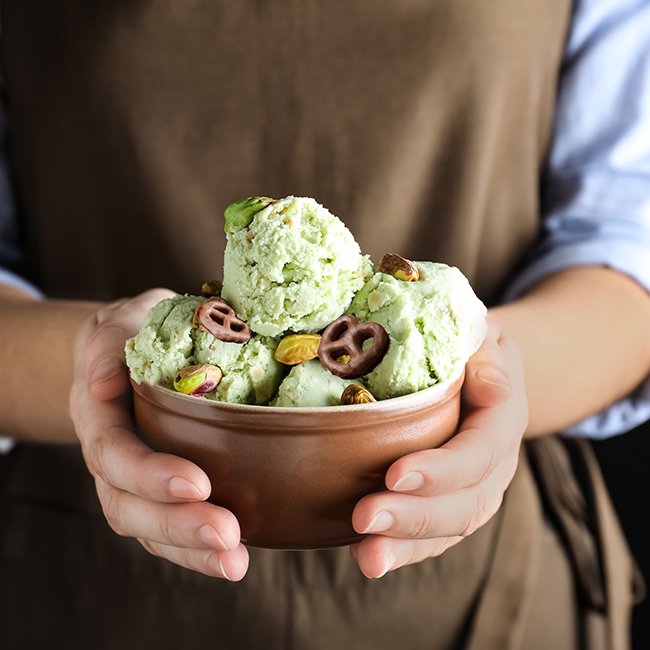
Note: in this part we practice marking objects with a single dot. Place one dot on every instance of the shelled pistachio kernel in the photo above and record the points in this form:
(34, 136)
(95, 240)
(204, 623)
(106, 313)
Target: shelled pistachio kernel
(238, 215)
(296, 348)
(197, 380)
(355, 394)
(211, 288)
(399, 267)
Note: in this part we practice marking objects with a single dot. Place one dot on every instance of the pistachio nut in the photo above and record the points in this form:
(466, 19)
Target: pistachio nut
(239, 214)
(197, 380)
(211, 288)
(355, 394)
(296, 348)
(399, 267)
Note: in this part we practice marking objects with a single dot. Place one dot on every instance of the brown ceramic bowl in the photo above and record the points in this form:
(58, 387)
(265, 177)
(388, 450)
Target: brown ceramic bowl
(292, 476)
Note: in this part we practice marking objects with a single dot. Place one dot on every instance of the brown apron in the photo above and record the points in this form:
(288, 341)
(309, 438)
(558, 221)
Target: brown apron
(423, 124)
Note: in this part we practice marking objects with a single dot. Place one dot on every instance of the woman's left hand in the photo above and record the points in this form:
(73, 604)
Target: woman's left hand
(437, 497)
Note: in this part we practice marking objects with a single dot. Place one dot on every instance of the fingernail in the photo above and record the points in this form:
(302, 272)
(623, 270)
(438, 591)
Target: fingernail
(389, 562)
(383, 520)
(215, 563)
(493, 376)
(106, 369)
(410, 481)
(181, 488)
(210, 537)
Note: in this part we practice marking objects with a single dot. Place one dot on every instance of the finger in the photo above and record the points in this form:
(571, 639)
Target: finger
(187, 525)
(377, 555)
(104, 370)
(109, 379)
(487, 378)
(113, 452)
(132, 311)
(100, 357)
(447, 469)
(122, 460)
(231, 565)
(487, 437)
(458, 513)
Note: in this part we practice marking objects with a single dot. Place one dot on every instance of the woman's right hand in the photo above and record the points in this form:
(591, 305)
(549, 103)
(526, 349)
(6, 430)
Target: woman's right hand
(157, 498)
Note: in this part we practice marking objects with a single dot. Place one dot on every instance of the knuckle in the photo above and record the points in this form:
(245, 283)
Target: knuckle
(105, 313)
(149, 547)
(439, 550)
(420, 526)
(101, 316)
(412, 556)
(166, 531)
(480, 512)
(111, 508)
(107, 328)
(93, 453)
(443, 545)
(90, 457)
(489, 459)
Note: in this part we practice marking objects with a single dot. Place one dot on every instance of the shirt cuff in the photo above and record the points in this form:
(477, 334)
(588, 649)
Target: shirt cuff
(621, 255)
(14, 280)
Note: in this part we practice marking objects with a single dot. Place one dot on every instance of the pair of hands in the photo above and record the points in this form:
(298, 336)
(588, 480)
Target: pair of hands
(434, 497)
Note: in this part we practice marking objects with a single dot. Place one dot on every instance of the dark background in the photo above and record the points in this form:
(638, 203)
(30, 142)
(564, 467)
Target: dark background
(626, 466)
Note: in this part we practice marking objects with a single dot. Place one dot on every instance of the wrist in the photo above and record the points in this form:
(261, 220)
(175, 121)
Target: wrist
(37, 340)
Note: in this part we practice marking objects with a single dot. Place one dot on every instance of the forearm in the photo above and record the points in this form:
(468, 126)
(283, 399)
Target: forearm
(583, 335)
(37, 341)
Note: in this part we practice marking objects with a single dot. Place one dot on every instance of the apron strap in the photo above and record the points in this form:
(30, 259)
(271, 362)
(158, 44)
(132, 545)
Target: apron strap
(624, 584)
(573, 517)
(500, 617)
(565, 477)
(576, 498)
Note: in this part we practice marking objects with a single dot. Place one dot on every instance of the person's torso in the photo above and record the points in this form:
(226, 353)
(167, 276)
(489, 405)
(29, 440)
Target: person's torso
(422, 124)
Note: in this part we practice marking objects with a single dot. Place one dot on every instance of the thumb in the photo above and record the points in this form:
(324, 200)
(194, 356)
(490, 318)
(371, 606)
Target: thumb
(487, 382)
(100, 353)
(105, 373)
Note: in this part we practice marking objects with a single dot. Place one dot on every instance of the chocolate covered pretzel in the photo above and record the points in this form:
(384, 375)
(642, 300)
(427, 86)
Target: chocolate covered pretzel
(341, 347)
(218, 318)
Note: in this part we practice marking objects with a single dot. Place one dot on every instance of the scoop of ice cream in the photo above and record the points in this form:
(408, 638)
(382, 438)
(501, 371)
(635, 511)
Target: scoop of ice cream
(250, 373)
(168, 341)
(290, 266)
(165, 342)
(435, 324)
(309, 384)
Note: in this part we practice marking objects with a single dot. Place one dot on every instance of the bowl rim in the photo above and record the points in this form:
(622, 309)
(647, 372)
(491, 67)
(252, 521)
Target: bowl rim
(436, 394)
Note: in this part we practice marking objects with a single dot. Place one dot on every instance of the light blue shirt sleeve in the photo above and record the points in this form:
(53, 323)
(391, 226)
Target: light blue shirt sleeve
(11, 257)
(596, 191)
(11, 254)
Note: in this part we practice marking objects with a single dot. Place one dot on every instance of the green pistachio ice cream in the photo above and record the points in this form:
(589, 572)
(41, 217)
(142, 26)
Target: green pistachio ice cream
(309, 384)
(250, 373)
(435, 324)
(292, 265)
(165, 343)
(168, 342)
